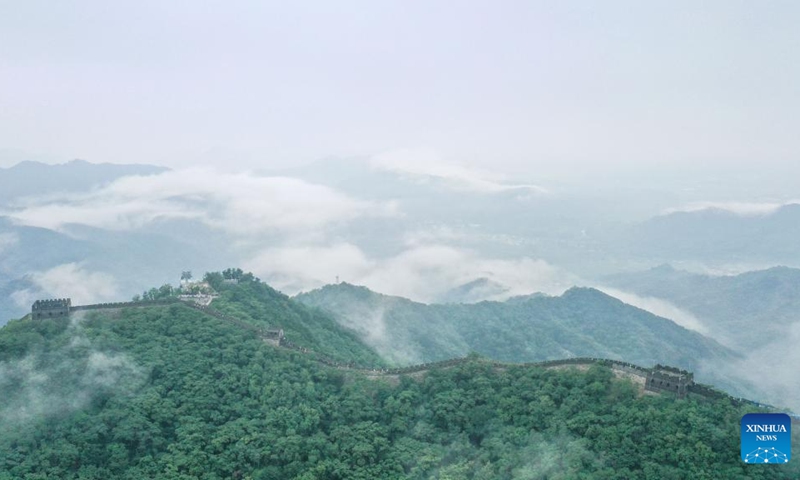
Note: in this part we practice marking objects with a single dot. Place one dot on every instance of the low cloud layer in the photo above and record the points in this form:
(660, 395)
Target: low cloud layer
(70, 280)
(659, 307)
(426, 164)
(240, 204)
(59, 381)
(772, 370)
(422, 273)
(7, 240)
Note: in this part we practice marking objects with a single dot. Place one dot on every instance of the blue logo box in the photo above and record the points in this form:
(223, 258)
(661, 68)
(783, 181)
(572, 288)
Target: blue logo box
(766, 438)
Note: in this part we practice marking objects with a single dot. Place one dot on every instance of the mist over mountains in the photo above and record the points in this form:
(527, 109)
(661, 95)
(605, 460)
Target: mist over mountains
(583, 322)
(755, 313)
(427, 231)
(731, 306)
(31, 178)
(403, 224)
(315, 240)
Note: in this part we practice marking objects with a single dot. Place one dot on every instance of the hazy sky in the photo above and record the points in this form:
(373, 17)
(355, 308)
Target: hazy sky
(535, 86)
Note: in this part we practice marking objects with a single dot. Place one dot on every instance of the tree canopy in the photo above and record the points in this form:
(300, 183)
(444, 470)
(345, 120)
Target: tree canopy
(169, 392)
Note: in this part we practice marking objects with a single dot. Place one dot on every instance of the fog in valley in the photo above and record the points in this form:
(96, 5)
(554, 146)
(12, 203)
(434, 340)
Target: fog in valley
(446, 154)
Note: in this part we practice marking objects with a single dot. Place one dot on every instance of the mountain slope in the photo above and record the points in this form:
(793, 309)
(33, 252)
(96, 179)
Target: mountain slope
(582, 322)
(729, 306)
(171, 393)
(258, 304)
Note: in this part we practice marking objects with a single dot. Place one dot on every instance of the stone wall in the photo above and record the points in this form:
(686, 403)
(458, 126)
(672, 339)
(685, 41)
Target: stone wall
(55, 308)
(661, 379)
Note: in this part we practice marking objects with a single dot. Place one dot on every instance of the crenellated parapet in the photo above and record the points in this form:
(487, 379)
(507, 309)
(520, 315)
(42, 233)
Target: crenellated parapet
(52, 308)
(661, 378)
(115, 305)
(62, 307)
(669, 379)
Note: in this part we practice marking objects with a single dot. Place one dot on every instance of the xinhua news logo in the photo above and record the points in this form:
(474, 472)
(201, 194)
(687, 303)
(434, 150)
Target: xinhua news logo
(766, 438)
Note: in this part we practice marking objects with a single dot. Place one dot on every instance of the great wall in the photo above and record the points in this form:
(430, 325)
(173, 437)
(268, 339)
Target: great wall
(658, 379)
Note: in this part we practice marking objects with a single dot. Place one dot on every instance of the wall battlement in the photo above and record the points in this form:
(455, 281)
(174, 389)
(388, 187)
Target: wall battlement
(52, 308)
(660, 378)
(669, 379)
(62, 307)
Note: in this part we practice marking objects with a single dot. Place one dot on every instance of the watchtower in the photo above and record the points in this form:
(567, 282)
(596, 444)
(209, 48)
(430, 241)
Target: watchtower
(274, 337)
(54, 308)
(662, 378)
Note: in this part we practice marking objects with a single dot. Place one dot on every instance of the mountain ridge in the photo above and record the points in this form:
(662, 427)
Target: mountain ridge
(530, 329)
(30, 178)
(727, 304)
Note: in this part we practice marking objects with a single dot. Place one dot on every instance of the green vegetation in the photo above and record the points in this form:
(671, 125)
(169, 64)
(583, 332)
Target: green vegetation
(260, 305)
(169, 392)
(161, 293)
(583, 322)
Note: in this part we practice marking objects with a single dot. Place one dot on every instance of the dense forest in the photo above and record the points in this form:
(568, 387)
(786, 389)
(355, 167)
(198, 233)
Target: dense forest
(582, 322)
(169, 392)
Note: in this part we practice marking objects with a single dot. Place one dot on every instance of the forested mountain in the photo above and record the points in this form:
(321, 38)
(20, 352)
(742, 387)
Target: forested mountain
(170, 392)
(581, 322)
(258, 304)
(730, 306)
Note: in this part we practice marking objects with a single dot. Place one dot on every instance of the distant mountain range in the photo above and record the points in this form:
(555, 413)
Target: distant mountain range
(715, 236)
(130, 260)
(581, 322)
(588, 232)
(33, 260)
(475, 291)
(746, 311)
(35, 178)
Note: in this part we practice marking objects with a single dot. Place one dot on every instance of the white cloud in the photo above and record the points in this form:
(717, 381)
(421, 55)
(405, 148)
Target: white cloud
(105, 369)
(240, 204)
(738, 208)
(292, 269)
(54, 382)
(427, 164)
(7, 240)
(463, 235)
(69, 280)
(772, 369)
(782, 380)
(24, 298)
(425, 273)
(421, 273)
(659, 307)
(438, 234)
